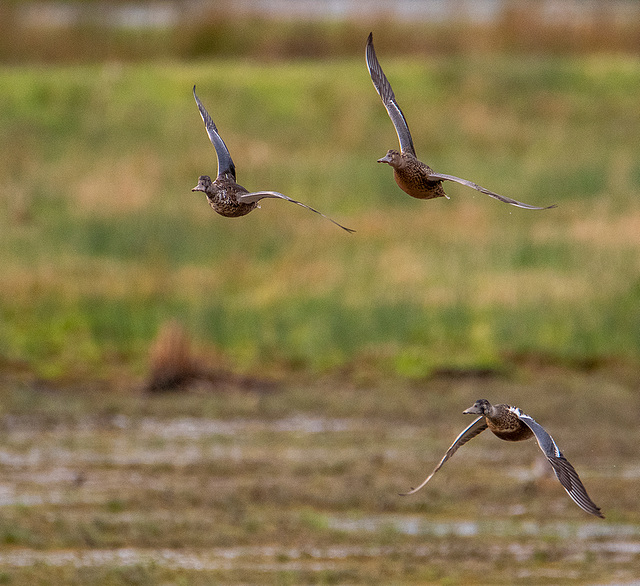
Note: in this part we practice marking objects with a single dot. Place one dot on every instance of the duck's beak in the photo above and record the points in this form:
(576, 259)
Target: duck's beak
(385, 159)
(474, 410)
(198, 187)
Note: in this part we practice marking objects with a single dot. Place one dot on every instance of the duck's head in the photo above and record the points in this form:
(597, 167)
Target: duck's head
(393, 158)
(480, 407)
(204, 183)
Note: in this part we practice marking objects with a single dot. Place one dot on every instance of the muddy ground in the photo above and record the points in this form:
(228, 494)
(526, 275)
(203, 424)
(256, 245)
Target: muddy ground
(293, 484)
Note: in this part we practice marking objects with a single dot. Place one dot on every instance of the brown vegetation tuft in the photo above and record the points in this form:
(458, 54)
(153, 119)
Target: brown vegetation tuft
(171, 360)
(174, 366)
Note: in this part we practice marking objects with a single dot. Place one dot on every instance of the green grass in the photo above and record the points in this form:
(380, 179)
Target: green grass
(102, 240)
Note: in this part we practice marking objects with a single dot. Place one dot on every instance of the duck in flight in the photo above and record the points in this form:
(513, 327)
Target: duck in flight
(511, 424)
(412, 175)
(225, 196)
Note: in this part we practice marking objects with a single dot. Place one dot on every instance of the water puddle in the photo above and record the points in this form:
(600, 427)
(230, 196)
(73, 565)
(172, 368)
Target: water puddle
(195, 428)
(126, 442)
(273, 558)
(188, 428)
(265, 558)
(422, 526)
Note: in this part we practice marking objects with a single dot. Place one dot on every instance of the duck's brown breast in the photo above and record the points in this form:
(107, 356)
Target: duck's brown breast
(511, 431)
(223, 199)
(231, 209)
(412, 178)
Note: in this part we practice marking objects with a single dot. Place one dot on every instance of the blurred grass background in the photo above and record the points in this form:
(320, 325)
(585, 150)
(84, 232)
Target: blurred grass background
(102, 240)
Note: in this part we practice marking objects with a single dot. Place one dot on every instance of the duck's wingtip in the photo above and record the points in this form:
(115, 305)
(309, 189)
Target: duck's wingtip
(536, 208)
(408, 493)
(370, 38)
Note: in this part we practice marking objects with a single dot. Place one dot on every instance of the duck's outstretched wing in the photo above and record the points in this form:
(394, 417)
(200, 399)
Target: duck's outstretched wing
(565, 472)
(513, 202)
(256, 196)
(383, 87)
(225, 164)
(478, 426)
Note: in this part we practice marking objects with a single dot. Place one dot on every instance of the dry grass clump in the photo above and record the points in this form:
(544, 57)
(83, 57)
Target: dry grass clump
(171, 360)
(175, 366)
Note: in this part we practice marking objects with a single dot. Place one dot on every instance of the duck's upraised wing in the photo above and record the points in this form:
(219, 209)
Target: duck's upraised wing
(513, 202)
(478, 426)
(564, 471)
(383, 87)
(256, 196)
(225, 164)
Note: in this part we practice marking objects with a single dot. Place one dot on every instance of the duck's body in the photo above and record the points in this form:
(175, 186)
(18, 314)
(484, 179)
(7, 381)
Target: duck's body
(225, 195)
(412, 175)
(504, 421)
(222, 195)
(511, 424)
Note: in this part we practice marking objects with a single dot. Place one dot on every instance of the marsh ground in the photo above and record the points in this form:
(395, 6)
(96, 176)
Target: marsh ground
(300, 484)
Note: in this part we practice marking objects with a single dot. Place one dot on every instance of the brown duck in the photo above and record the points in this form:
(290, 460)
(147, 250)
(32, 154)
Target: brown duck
(511, 424)
(225, 196)
(412, 175)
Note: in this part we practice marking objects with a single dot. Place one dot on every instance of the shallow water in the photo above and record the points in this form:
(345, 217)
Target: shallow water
(74, 470)
(421, 525)
(273, 558)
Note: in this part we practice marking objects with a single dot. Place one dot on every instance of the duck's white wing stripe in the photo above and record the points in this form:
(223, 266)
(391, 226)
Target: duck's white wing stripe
(225, 164)
(563, 469)
(545, 441)
(502, 198)
(478, 426)
(256, 196)
(383, 87)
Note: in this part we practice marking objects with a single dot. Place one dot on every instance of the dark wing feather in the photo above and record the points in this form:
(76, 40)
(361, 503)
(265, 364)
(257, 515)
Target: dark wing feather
(564, 471)
(258, 195)
(383, 87)
(225, 164)
(478, 426)
(513, 202)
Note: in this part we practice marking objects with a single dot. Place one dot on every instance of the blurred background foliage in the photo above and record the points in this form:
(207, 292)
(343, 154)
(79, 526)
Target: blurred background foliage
(268, 30)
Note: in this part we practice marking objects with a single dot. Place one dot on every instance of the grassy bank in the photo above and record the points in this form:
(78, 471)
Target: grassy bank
(102, 241)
